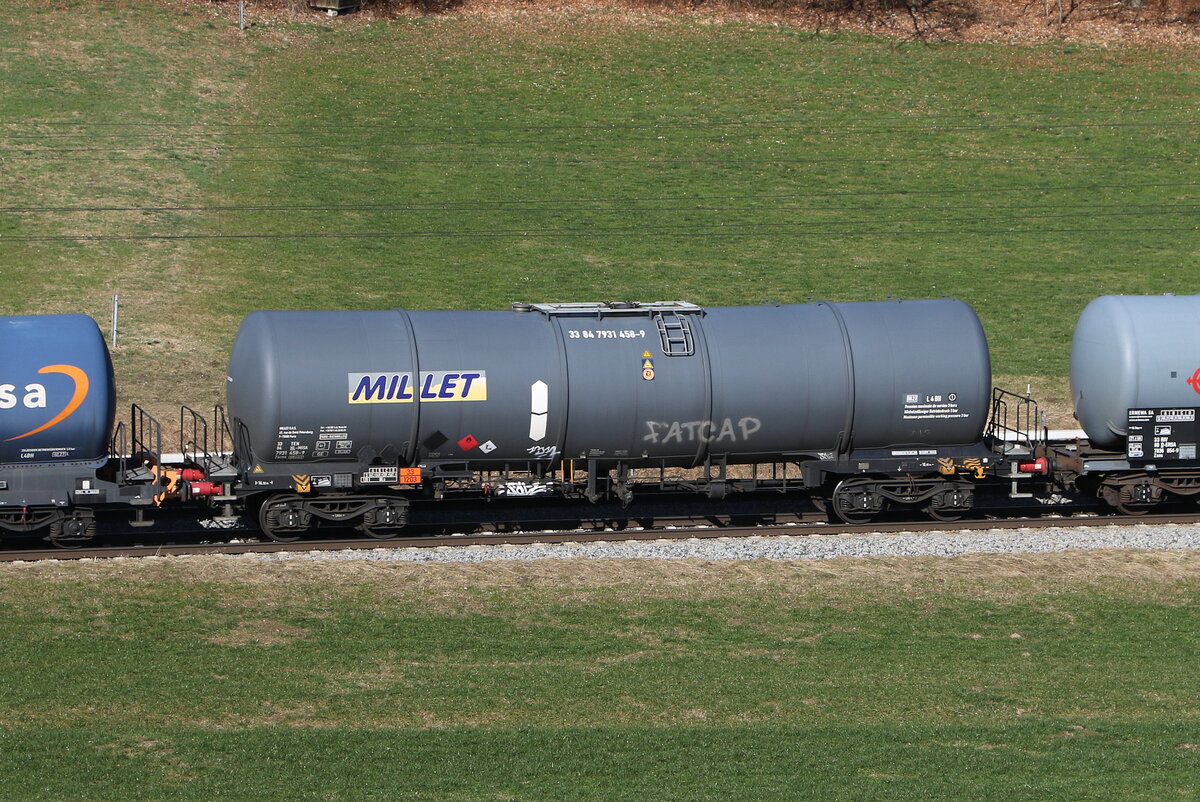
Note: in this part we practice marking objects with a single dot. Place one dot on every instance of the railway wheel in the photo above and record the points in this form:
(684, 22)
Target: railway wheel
(1133, 509)
(284, 519)
(384, 521)
(71, 532)
(944, 515)
(950, 505)
(1131, 498)
(856, 501)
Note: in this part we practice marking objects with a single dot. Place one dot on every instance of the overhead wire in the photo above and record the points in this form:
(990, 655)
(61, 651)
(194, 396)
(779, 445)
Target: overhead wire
(542, 203)
(830, 229)
(556, 160)
(461, 142)
(825, 119)
(570, 233)
(597, 205)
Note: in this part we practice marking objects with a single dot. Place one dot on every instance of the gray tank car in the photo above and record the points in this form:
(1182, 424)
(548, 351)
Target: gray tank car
(1133, 352)
(1135, 382)
(329, 404)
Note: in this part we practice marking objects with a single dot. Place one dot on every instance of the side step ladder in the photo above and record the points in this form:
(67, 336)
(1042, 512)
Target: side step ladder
(1017, 430)
(216, 463)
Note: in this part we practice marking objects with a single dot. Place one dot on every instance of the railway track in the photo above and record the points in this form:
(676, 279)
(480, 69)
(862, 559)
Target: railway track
(798, 527)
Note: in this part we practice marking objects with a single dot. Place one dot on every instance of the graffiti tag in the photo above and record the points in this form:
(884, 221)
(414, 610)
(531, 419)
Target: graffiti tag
(693, 431)
(523, 488)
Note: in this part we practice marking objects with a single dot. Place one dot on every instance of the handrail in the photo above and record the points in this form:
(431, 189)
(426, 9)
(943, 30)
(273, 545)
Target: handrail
(1016, 421)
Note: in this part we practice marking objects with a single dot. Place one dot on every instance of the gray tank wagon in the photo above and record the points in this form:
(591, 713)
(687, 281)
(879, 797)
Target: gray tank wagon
(1135, 383)
(331, 409)
(1131, 352)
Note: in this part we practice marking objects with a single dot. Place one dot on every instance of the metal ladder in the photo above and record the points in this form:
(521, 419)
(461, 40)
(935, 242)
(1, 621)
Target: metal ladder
(675, 331)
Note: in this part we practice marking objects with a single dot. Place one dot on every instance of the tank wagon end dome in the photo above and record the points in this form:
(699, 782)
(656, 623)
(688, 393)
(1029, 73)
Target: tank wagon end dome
(57, 394)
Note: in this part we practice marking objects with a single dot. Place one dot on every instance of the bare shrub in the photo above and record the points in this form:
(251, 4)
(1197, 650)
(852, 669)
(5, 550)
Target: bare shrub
(393, 8)
(925, 18)
(1156, 12)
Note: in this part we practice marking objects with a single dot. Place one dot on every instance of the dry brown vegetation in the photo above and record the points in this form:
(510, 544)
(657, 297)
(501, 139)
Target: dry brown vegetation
(458, 586)
(1104, 22)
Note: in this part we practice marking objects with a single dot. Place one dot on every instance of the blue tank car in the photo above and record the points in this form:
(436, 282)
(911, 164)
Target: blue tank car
(57, 408)
(57, 399)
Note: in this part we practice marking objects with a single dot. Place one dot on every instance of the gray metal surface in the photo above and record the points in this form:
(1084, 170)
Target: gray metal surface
(661, 382)
(1132, 351)
(57, 399)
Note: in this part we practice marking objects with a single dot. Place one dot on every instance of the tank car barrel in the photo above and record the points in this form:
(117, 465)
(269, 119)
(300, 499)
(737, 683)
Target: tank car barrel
(639, 384)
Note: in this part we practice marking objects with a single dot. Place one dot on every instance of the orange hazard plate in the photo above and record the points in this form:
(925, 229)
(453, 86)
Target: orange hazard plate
(410, 476)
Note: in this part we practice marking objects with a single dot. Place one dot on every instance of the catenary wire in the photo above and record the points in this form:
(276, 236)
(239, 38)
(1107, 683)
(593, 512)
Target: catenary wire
(544, 202)
(689, 230)
(341, 146)
(811, 119)
(610, 205)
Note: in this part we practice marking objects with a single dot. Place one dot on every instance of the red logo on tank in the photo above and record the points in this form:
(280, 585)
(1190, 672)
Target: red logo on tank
(1195, 380)
(468, 442)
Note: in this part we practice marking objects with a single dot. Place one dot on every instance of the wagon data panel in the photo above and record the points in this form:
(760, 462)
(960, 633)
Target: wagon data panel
(1162, 434)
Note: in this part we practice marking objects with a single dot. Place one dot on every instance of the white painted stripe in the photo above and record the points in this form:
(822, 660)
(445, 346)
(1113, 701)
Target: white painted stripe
(539, 398)
(539, 407)
(537, 426)
(1055, 435)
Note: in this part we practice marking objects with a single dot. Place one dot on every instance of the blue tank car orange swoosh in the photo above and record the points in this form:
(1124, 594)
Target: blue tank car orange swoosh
(81, 390)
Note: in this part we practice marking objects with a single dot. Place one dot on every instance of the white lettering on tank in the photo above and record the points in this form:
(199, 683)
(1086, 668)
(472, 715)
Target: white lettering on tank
(35, 396)
(727, 430)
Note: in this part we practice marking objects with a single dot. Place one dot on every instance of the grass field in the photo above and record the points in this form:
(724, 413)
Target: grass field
(201, 172)
(153, 150)
(1066, 676)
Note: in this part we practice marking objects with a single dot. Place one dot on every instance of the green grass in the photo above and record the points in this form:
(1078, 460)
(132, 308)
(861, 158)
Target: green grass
(1056, 677)
(1130, 760)
(467, 163)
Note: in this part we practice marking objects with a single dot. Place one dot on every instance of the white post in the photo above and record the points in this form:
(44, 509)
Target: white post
(116, 308)
(242, 15)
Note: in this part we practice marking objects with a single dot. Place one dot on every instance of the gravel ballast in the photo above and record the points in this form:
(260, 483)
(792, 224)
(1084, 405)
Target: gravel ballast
(784, 547)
